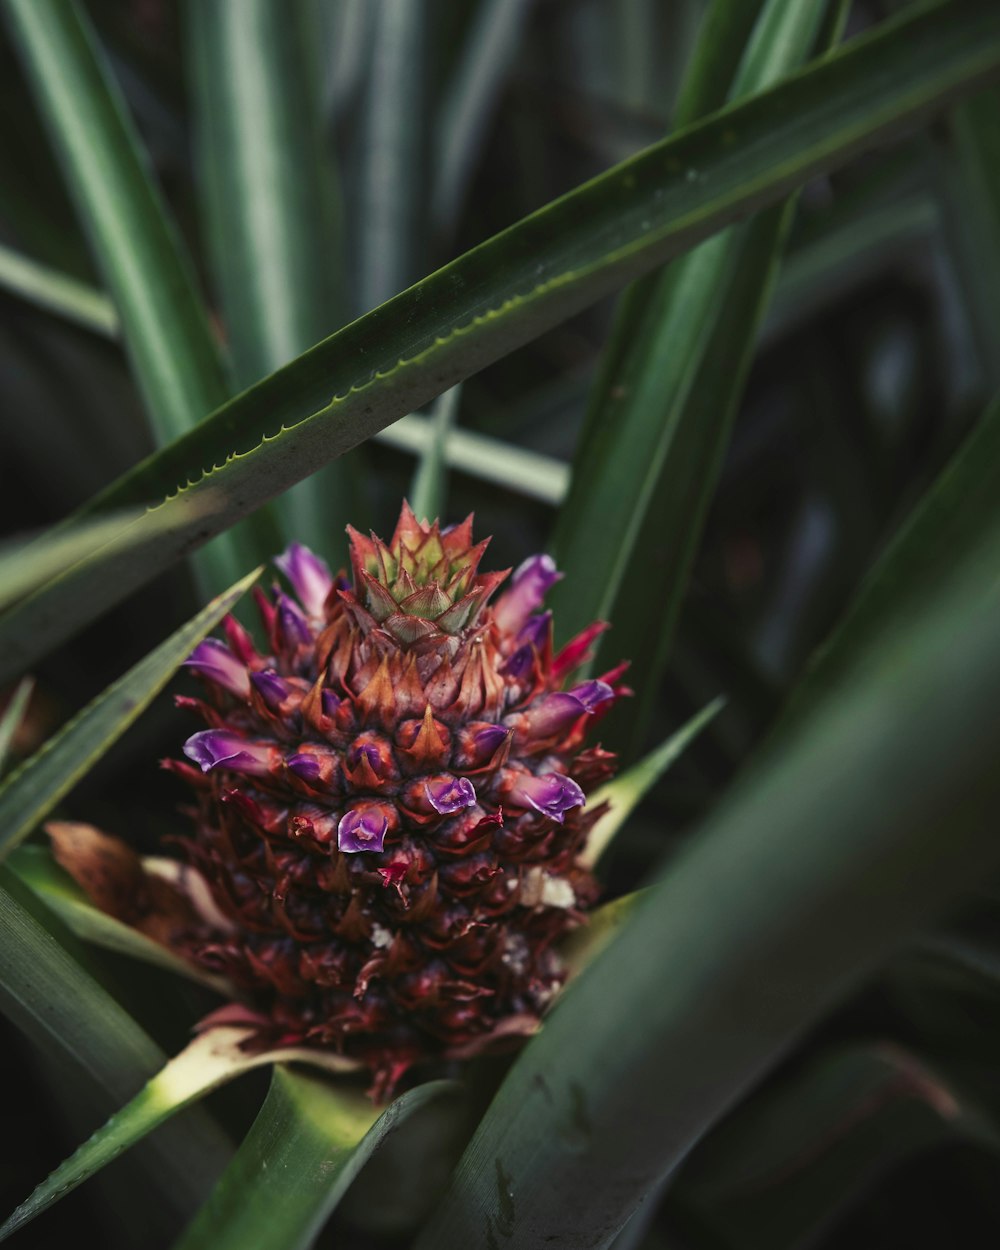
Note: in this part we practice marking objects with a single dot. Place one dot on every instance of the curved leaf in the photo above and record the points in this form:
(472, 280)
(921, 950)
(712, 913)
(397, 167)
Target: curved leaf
(863, 829)
(33, 789)
(533, 275)
(662, 416)
(306, 1146)
(11, 717)
(271, 207)
(212, 1059)
(49, 995)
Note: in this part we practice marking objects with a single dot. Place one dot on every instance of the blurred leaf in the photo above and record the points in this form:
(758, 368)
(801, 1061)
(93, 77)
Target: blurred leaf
(393, 153)
(626, 791)
(428, 494)
(506, 291)
(271, 208)
(11, 717)
(34, 788)
(469, 101)
(212, 1059)
(58, 293)
(863, 829)
(962, 503)
(779, 1172)
(661, 417)
(47, 993)
(970, 191)
(306, 1146)
(36, 868)
(136, 247)
(27, 564)
(583, 945)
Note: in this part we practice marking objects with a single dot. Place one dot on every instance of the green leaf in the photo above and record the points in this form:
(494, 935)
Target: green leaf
(969, 187)
(662, 416)
(394, 153)
(48, 994)
(135, 245)
(212, 1059)
(863, 829)
(32, 790)
(469, 100)
(11, 717)
(626, 791)
(962, 503)
(58, 293)
(797, 1156)
(533, 275)
(428, 493)
(306, 1146)
(36, 868)
(271, 207)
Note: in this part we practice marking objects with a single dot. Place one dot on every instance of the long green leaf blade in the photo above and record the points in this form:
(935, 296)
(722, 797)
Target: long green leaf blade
(212, 1059)
(58, 293)
(11, 717)
(306, 1146)
(627, 535)
(528, 278)
(271, 207)
(135, 245)
(46, 992)
(962, 503)
(863, 829)
(626, 791)
(31, 791)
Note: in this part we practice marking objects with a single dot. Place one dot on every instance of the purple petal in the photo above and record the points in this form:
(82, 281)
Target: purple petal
(529, 586)
(367, 751)
(215, 748)
(592, 694)
(487, 740)
(330, 703)
(271, 688)
(361, 830)
(551, 794)
(536, 631)
(304, 766)
(451, 794)
(214, 660)
(552, 714)
(309, 575)
(292, 623)
(518, 666)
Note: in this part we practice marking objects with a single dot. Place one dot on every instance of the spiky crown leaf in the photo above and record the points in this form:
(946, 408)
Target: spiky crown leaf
(392, 800)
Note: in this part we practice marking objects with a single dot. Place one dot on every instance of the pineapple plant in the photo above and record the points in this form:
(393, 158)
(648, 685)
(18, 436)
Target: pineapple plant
(392, 798)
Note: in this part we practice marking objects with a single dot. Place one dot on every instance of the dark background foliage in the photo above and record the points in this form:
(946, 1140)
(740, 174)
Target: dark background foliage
(874, 360)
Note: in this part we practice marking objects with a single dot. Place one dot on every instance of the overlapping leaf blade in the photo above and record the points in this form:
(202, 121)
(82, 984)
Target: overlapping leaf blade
(305, 1148)
(862, 829)
(31, 792)
(540, 271)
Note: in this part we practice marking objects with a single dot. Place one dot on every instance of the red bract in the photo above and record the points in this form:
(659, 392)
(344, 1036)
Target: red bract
(393, 799)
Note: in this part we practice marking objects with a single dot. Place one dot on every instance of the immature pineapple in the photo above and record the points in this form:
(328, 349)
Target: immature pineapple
(392, 802)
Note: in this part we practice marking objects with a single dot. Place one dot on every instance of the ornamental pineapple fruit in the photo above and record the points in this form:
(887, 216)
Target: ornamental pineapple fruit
(393, 801)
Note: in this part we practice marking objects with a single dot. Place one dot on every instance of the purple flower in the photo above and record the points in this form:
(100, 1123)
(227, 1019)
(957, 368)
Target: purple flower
(450, 794)
(518, 666)
(305, 767)
(217, 748)
(556, 712)
(361, 830)
(551, 794)
(330, 703)
(531, 582)
(487, 740)
(292, 623)
(309, 575)
(214, 660)
(271, 688)
(536, 631)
